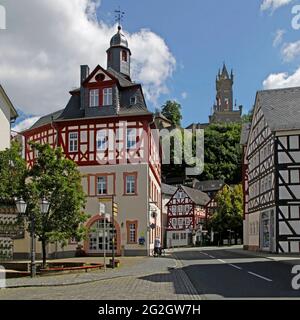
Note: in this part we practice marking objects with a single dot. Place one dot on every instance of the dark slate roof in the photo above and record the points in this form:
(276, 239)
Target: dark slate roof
(122, 80)
(136, 109)
(209, 185)
(47, 119)
(72, 110)
(119, 39)
(245, 133)
(167, 189)
(197, 196)
(281, 108)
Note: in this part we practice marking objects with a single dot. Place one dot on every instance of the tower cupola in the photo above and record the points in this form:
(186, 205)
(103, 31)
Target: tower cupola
(118, 55)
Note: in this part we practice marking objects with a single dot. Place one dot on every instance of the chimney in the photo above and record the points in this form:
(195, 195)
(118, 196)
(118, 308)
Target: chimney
(84, 73)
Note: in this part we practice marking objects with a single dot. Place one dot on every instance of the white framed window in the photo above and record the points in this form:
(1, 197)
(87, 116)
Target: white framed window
(130, 184)
(174, 209)
(73, 141)
(174, 222)
(101, 140)
(131, 138)
(180, 212)
(107, 96)
(101, 185)
(94, 98)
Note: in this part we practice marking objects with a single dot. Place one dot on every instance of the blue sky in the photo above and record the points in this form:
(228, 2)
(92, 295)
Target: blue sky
(199, 35)
(203, 34)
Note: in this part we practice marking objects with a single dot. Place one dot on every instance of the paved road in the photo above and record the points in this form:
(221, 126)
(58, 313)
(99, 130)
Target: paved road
(220, 273)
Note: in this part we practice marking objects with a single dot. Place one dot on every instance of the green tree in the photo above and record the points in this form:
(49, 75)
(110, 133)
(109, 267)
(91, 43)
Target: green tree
(222, 153)
(12, 172)
(248, 117)
(172, 111)
(229, 215)
(56, 179)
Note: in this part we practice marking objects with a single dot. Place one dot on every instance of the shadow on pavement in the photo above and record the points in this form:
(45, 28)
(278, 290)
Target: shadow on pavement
(224, 280)
(172, 278)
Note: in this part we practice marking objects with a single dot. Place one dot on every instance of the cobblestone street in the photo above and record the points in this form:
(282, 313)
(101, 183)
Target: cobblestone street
(149, 279)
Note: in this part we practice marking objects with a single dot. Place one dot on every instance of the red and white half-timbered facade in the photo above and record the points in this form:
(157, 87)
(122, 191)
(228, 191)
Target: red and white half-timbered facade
(106, 129)
(186, 216)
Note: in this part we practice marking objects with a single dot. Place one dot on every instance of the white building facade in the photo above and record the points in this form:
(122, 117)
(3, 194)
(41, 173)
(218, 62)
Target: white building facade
(7, 115)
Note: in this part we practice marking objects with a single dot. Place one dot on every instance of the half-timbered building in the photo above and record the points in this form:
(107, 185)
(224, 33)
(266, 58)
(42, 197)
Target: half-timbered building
(245, 183)
(106, 129)
(272, 173)
(186, 216)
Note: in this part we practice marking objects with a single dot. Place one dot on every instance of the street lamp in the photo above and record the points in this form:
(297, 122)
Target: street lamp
(21, 207)
(44, 206)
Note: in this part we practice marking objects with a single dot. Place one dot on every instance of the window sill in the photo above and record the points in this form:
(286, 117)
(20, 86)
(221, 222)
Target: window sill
(130, 194)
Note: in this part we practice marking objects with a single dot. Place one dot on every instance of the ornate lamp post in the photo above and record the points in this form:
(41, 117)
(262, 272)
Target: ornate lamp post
(21, 207)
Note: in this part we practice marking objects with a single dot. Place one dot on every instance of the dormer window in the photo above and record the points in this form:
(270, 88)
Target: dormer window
(94, 98)
(133, 100)
(124, 56)
(107, 97)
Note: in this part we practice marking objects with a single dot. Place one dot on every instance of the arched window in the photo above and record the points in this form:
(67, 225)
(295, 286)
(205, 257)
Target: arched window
(124, 56)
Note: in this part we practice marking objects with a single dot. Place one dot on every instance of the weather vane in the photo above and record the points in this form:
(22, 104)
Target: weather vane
(119, 16)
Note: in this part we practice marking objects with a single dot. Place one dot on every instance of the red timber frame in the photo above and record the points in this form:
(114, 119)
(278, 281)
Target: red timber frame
(57, 134)
(44, 134)
(181, 202)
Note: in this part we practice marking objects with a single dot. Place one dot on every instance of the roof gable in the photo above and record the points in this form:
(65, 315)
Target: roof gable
(197, 196)
(281, 108)
(98, 70)
(13, 112)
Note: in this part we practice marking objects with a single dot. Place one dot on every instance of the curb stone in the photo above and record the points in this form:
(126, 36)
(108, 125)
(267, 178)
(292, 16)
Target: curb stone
(185, 279)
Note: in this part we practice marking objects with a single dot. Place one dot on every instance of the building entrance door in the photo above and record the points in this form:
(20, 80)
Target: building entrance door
(100, 237)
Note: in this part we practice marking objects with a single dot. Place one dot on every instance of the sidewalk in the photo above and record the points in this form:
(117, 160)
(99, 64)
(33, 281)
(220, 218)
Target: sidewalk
(129, 267)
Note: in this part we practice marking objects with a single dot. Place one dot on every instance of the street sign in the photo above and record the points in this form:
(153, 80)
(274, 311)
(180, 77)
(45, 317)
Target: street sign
(102, 208)
(115, 209)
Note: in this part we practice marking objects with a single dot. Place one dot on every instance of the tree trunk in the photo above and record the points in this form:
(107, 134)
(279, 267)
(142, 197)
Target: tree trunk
(44, 243)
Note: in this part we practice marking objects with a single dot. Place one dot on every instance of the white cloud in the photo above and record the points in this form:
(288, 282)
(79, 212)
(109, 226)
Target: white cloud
(184, 95)
(273, 4)
(282, 80)
(46, 42)
(290, 51)
(25, 124)
(278, 37)
(153, 63)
